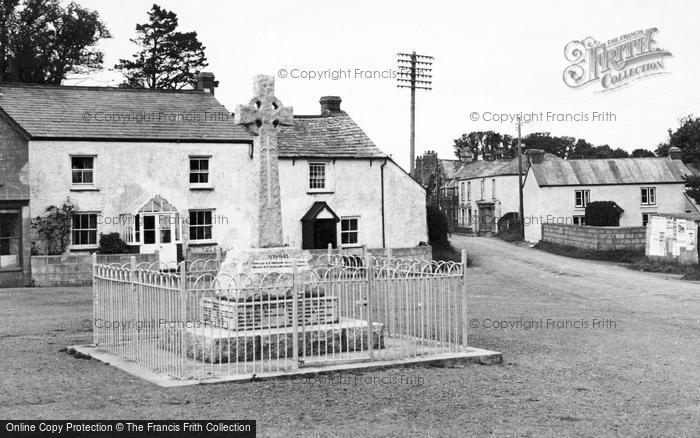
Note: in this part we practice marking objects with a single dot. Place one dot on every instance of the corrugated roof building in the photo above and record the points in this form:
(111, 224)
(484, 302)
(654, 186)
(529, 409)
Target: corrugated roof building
(558, 190)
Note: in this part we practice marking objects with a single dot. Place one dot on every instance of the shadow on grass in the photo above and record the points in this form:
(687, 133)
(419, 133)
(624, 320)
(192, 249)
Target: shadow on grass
(630, 259)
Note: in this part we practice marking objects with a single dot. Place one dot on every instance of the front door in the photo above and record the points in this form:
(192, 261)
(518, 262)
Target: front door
(325, 232)
(158, 235)
(486, 221)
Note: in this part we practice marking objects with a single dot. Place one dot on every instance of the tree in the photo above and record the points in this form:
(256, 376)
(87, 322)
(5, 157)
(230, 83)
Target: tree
(603, 214)
(42, 41)
(643, 153)
(54, 227)
(488, 145)
(584, 150)
(437, 227)
(559, 146)
(686, 138)
(168, 59)
(112, 243)
(692, 187)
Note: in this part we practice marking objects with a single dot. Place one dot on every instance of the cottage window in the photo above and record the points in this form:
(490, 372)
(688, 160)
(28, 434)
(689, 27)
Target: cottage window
(10, 239)
(579, 220)
(199, 170)
(469, 191)
(83, 168)
(583, 197)
(84, 229)
(200, 225)
(461, 191)
(317, 176)
(349, 231)
(483, 183)
(645, 219)
(648, 195)
(493, 188)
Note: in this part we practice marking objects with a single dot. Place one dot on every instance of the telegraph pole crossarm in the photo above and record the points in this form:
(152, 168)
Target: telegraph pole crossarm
(415, 73)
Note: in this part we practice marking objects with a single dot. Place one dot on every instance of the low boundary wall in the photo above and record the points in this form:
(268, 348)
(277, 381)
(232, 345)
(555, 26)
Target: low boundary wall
(76, 269)
(596, 238)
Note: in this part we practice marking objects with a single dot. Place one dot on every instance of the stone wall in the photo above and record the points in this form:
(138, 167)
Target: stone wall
(595, 238)
(76, 270)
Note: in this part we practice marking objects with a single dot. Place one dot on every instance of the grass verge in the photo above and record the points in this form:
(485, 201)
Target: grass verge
(630, 259)
(447, 253)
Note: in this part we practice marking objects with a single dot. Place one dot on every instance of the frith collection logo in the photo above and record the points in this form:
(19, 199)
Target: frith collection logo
(615, 63)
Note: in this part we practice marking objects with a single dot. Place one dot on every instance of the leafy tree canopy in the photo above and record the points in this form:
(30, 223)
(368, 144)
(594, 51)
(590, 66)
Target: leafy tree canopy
(42, 41)
(686, 138)
(488, 145)
(167, 59)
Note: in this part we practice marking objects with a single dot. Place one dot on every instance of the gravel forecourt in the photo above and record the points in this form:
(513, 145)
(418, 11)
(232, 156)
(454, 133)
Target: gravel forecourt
(589, 349)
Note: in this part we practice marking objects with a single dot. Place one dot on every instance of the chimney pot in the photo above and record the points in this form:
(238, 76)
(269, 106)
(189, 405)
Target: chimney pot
(330, 105)
(536, 155)
(675, 153)
(206, 81)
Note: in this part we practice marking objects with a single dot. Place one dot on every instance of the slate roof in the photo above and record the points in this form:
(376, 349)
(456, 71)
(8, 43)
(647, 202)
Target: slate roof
(554, 171)
(82, 113)
(332, 136)
(450, 167)
(59, 112)
(487, 169)
(317, 208)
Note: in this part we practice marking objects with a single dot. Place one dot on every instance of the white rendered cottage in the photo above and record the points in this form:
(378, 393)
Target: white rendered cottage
(169, 170)
(558, 190)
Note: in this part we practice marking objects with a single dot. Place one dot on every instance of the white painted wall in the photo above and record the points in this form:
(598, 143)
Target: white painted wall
(356, 192)
(126, 171)
(505, 201)
(557, 204)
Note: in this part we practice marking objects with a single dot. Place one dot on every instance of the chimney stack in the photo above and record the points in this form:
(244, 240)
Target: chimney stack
(207, 82)
(675, 153)
(536, 155)
(330, 105)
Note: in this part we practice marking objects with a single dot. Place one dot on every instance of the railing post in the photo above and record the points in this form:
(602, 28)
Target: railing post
(465, 323)
(132, 274)
(95, 297)
(182, 325)
(370, 285)
(390, 290)
(295, 316)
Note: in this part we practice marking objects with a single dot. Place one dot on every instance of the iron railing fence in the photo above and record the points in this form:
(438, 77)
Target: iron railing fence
(189, 323)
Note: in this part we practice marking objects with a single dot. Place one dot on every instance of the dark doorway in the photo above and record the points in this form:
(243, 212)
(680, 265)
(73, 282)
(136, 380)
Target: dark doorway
(486, 219)
(319, 227)
(325, 232)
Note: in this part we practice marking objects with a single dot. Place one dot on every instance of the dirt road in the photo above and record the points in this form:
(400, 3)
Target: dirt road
(607, 349)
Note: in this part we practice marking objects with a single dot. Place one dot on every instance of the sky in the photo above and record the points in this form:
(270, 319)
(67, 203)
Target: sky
(490, 58)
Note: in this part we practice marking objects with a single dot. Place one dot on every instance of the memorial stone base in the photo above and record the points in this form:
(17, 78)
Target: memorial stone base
(214, 344)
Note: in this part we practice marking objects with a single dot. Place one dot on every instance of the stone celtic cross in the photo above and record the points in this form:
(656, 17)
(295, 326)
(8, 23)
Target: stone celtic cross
(264, 116)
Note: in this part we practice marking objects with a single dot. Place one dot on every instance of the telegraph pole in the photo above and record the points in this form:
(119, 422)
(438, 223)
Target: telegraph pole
(521, 211)
(415, 72)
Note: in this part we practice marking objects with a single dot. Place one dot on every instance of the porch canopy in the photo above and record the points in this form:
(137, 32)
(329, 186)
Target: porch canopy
(145, 204)
(318, 226)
